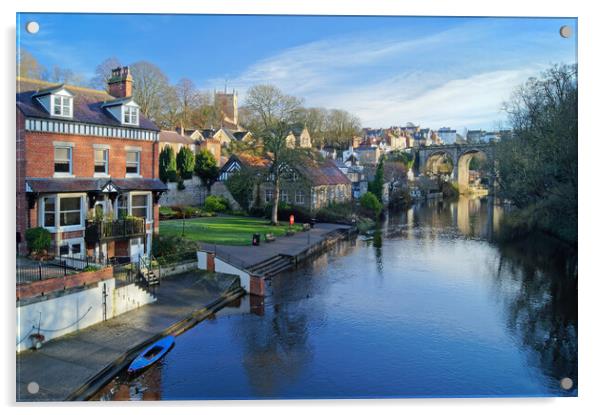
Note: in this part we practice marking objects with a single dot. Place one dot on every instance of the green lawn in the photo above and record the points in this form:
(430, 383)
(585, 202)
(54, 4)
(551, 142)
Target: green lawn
(225, 230)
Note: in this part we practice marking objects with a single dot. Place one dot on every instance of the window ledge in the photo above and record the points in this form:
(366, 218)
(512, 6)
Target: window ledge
(133, 176)
(63, 175)
(102, 175)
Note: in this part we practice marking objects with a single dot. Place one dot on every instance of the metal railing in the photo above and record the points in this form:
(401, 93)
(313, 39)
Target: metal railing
(29, 270)
(97, 231)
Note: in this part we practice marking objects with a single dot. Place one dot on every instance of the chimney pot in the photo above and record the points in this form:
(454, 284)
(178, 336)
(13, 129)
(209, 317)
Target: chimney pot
(120, 83)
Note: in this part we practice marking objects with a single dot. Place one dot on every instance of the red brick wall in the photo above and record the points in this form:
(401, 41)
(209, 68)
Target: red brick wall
(35, 158)
(36, 288)
(122, 248)
(39, 154)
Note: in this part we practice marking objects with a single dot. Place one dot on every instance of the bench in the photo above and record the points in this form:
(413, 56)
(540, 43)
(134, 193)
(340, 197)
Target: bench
(290, 232)
(306, 227)
(269, 237)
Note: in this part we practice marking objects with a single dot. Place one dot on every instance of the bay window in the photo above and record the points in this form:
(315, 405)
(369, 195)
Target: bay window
(49, 213)
(70, 211)
(62, 210)
(140, 206)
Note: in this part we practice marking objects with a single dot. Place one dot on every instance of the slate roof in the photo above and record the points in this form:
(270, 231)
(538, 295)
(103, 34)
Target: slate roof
(318, 172)
(56, 185)
(322, 173)
(87, 104)
(239, 135)
(174, 137)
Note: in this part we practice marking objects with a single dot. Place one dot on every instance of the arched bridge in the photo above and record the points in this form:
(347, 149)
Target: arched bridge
(429, 157)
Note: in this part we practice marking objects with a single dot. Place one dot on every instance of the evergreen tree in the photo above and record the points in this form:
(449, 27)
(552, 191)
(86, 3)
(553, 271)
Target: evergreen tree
(185, 163)
(167, 164)
(376, 185)
(206, 168)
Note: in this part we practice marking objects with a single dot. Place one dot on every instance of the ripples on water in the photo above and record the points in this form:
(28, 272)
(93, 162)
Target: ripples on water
(426, 306)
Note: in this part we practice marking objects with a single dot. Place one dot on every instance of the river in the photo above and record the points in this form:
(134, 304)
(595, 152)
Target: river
(428, 306)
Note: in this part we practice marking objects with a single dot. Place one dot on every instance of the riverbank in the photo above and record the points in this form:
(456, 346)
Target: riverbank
(297, 247)
(75, 366)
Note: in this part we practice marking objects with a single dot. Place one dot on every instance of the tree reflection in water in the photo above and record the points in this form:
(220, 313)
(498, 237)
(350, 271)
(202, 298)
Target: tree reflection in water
(542, 302)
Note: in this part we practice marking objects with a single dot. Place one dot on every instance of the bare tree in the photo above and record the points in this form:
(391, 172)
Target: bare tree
(102, 73)
(151, 86)
(271, 114)
(341, 126)
(63, 75)
(28, 66)
(188, 99)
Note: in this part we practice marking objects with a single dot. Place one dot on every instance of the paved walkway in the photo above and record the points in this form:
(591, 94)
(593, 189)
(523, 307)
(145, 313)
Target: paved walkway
(63, 365)
(247, 256)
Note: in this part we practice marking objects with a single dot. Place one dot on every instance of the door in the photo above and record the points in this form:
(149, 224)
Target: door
(136, 249)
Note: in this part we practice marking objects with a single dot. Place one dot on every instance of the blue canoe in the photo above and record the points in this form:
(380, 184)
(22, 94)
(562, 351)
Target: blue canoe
(152, 353)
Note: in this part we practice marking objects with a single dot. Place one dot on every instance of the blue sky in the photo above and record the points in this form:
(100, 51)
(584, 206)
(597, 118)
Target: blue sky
(433, 71)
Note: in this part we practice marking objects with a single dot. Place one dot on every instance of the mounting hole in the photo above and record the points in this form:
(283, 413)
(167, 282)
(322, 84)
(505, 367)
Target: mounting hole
(33, 388)
(566, 31)
(32, 27)
(566, 383)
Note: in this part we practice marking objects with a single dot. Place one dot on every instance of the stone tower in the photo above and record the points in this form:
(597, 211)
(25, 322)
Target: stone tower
(227, 104)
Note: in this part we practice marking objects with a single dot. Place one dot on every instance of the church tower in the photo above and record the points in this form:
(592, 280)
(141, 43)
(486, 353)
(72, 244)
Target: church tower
(227, 103)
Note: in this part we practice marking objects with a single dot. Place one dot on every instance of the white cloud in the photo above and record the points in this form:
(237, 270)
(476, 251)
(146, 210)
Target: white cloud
(389, 77)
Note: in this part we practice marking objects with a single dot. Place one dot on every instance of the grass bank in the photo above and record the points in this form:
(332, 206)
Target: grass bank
(223, 230)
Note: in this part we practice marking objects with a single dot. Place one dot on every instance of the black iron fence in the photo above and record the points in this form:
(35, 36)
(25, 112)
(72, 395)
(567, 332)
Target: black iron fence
(29, 270)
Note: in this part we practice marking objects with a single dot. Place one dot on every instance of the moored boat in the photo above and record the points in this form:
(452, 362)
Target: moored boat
(152, 354)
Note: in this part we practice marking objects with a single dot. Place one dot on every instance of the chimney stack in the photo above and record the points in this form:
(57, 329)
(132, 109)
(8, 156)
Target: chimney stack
(120, 82)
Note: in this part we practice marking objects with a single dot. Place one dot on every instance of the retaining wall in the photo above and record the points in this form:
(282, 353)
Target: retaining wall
(64, 314)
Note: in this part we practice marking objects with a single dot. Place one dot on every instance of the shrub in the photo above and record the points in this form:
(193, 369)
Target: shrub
(365, 224)
(165, 212)
(400, 199)
(216, 203)
(169, 245)
(181, 185)
(336, 213)
(38, 239)
(370, 204)
(302, 215)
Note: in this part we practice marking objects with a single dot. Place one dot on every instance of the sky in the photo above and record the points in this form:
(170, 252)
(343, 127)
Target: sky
(432, 71)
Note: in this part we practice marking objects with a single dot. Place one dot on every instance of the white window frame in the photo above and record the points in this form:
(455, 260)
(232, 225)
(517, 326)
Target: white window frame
(65, 103)
(131, 115)
(105, 152)
(70, 148)
(269, 195)
(299, 197)
(139, 156)
(57, 212)
(284, 196)
(149, 204)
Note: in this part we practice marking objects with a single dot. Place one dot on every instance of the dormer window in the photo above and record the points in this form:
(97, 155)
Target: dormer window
(62, 106)
(130, 115)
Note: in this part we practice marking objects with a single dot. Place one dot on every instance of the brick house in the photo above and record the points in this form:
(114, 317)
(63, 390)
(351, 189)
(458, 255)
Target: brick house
(87, 168)
(313, 184)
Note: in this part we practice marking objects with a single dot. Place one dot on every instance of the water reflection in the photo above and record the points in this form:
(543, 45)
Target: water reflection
(428, 305)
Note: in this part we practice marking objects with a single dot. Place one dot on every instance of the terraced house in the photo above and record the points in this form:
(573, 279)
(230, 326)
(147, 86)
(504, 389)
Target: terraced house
(87, 168)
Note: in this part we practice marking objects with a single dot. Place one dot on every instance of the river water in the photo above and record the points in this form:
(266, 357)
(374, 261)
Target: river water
(428, 306)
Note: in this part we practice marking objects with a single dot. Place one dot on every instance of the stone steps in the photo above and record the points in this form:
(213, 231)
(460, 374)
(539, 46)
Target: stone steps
(271, 266)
